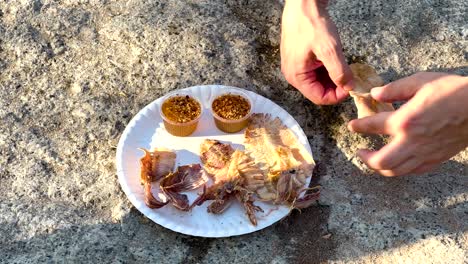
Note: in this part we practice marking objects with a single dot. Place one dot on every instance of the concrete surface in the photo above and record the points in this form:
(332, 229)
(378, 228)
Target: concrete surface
(74, 72)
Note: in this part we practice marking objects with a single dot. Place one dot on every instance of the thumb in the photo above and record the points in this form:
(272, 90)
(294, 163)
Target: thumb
(402, 89)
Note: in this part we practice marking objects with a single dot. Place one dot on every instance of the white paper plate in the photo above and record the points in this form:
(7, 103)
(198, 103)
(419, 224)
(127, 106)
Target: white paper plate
(146, 130)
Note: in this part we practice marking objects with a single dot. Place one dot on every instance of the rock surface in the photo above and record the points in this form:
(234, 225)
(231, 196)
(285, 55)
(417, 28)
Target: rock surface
(73, 73)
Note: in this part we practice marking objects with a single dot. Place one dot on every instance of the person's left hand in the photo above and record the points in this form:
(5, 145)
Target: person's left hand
(312, 59)
(430, 128)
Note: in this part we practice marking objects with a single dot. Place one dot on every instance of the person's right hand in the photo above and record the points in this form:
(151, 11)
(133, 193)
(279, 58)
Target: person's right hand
(430, 128)
(311, 55)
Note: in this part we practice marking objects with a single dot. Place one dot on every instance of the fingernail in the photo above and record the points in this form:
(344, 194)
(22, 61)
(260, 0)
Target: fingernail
(350, 127)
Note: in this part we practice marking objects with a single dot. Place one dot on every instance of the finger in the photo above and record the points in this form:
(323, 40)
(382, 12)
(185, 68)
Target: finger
(313, 91)
(335, 95)
(389, 156)
(318, 94)
(341, 93)
(334, 61)
(402, 89)
(376, 124)
(403, 169)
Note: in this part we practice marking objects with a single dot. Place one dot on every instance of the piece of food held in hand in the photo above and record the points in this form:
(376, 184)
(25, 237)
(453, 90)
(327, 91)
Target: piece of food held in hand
(231, 111)
(366, 78)
(181, 114)
(158, 165)
(283, 160)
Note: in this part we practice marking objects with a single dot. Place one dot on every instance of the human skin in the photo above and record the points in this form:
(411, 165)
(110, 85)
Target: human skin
(312, 59)
(431, 127)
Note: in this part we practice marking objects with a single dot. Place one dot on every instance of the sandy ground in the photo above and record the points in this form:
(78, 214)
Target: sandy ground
(74, 72)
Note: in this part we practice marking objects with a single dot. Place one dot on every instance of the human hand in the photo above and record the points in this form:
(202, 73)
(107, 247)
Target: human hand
(430, 128)
(311, 55)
